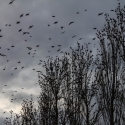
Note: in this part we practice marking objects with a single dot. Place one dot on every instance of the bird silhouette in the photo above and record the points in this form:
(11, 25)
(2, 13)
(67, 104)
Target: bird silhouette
(94, 28)
(30, 26)
(77, 13)
(19, 62)
(48, 25)
(80, 38)
(74, 36)
(71, 23)
(100, 14)
(4, 68)
(22, 67)
(52, 46)
(21, 15)
(62, 27)
(15, 68)
(93, 38)
(56, 22)
(63, 32)
(27, 14)
(49, 38)
(12, 46)
(29, 48)
(37, 45)
(53, 16)
(1, 36)
(29, 53)
(59, 45)
(17, 22)
(20, 30)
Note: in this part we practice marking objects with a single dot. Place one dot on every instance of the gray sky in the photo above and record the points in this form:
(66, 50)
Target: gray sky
(41, 12)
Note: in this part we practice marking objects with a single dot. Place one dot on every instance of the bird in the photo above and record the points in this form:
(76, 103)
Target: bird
(19, 62)
(100, 14)
(94, 28)
(7, 60)
(62, 27)
(29, 48)
(37, 45)
(15, 68)
(21, 15)
(80, 38)
(17, 22)
(59, 45)
(74, 36)
(0, 30)
(40, 60)
(11, 74)
(4, 68)
(71, 23)
(27, 14)
(31, 26)
(63, 32)
(5, 24)
(93, 38)
(8, 49)
(56, 22)
(12, 46)
(1, 36)
(111, 10)
(77, 13)
(49, 38)
(29, 53)
(48, 25)
(53, 16)
(33, 69)
(9, 24)
(58, 50)
(22, 67)
(85, 10)
(20, 30)
(5, 85)
(52, 46)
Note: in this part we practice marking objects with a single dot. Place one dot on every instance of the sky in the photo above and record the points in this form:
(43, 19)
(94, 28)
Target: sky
(40, 16)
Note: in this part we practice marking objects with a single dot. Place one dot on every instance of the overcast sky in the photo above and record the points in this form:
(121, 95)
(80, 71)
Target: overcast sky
(41, 12)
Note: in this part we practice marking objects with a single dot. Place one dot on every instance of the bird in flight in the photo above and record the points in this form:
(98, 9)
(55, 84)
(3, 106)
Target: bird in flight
(52, 46)
(53, 16)
(94, 28)
(17, 22)
(56, 22)
(30, 26)
(20, 30)
(12, 46)
(62, 27)
(93, 38)
(29, 48)
(71, 23)
(80, 38)
(37, 45)
(77, 13)
(21, 15)
(100, 14)
(27, 14)
(74, 36)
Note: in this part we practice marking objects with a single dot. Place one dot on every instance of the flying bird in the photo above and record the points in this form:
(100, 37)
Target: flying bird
(93, 38)
(80, 38)
(62, 27)
(59, 45)
(53, 16)
(30, 26)
(74, 36)
(77, 13)
(71, 23)
(12, 46)
(19, 62)
(29, 48)
(56, 22)
(27, 14)
(17, 22)
(20, 30)
(63, 32)
(100, 14)
(94, 28)
(49, 38)
(48, 25)
(21, 15)
(37, 45)
(52, 46)
(1, 36)
(15, 68)
(4, 68)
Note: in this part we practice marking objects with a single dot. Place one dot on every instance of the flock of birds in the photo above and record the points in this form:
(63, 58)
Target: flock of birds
(35, 50)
